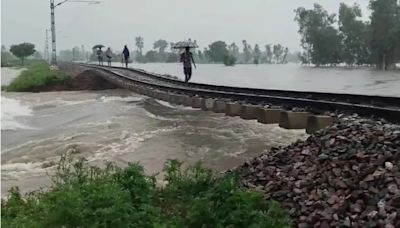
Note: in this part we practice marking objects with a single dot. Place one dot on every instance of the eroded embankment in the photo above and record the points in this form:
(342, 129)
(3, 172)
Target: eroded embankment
(86, 80)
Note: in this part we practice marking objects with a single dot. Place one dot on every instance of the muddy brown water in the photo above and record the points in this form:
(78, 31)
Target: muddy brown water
(122, 127)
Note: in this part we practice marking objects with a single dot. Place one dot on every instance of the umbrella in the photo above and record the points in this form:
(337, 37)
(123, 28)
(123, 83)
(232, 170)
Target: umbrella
(185, 44)
(98, 46)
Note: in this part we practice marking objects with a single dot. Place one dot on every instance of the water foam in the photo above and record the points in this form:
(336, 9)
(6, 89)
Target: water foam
(11, 109)
(122, 99)
(128, 142)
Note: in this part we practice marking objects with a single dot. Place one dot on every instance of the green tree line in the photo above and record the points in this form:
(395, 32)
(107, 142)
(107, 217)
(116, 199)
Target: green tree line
(216, 52)
(330, 39)
(18, 52)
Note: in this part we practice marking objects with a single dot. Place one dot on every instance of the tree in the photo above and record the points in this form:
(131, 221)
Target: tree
(217, 51)
(139, 42)
(285, 55)
(257, 54)
(278, 52)
(353, 32)
(23, 50)
(234, 50)
(385, 32)
(151, 56)
(229, 60)
(161, 45)
(268, 53)
(246, 51)
(320, 40)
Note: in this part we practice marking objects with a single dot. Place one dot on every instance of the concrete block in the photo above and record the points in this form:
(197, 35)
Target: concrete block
(150, 92)
(153, 93)
(196, 102)
(316, 123)
(233, 109)
(177, 99)
(219, 106)
(173, 98)
(293, 120)
(144, 91)
(249, 112)
(187, 101)
(268, 116)
(164, 96)
(157, 94)
(141, 90)
(207, 104)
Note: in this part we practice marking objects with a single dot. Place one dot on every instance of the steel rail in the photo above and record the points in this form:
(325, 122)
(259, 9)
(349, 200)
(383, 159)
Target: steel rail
(391, 113)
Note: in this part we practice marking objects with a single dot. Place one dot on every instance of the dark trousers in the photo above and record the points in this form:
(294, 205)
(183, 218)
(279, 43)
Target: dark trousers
(188, 73)
(126, 58)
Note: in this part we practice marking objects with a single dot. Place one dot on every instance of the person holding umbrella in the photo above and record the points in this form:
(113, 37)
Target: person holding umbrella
(125, 53)
(186, 57)
(99, 53)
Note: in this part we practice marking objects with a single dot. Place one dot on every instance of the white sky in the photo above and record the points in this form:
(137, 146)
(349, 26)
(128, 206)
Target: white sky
(117, 22)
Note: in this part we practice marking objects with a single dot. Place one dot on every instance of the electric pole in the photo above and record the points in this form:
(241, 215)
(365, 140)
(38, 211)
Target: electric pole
(53, 34)
(46, 47)
(53, 25)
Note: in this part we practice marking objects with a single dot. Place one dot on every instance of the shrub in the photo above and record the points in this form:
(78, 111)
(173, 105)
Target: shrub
(229, 60)
(37, 75)
(86, 196)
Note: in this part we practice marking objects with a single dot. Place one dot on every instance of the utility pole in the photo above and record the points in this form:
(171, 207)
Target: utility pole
(46, 47)
(53, 25)
(53, 34)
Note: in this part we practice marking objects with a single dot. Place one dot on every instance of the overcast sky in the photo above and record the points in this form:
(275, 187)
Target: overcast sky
(117, 22)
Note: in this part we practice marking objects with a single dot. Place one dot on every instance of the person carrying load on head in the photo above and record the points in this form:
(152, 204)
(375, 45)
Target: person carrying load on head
(187, 60)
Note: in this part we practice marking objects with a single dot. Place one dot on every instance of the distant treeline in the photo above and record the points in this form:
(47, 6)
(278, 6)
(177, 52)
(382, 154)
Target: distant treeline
(330, 39)
(17, 54)
(216, 52)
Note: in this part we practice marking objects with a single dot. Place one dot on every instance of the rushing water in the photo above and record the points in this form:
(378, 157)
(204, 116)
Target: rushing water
(289, 77)
(121, 126)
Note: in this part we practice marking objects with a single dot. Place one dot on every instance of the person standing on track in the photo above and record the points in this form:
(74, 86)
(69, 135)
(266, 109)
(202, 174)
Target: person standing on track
(100, 56)
(187, 60)
(109, 56)
(126, 54)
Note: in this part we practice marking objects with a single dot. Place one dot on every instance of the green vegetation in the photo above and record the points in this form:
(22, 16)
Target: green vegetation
(355, 42)
(22, 51)
(229, 60)
(85, 196)
(214, 53)
(37, 75)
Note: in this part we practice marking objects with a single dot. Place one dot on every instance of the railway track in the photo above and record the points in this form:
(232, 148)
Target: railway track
(316, 102)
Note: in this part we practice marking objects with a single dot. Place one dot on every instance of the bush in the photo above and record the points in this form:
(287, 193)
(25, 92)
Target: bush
(229, 60)
(85, 196)
(36, 76)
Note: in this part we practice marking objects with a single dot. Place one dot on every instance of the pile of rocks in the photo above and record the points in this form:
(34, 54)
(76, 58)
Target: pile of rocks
(346, 175)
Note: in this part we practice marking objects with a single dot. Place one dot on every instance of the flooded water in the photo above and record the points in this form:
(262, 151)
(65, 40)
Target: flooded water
(121, 126)
(288, 77)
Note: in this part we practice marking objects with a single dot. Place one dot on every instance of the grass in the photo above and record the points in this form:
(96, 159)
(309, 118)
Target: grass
(86, 196)
(37, 75)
